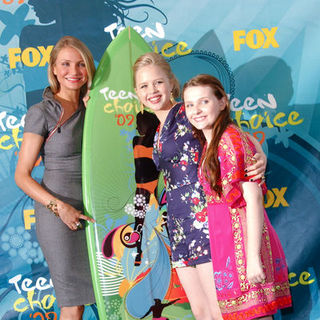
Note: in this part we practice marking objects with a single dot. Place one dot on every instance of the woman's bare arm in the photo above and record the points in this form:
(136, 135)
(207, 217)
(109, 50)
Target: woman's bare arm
(28, 156)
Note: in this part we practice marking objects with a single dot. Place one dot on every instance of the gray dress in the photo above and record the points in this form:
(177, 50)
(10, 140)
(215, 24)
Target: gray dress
(65, 250)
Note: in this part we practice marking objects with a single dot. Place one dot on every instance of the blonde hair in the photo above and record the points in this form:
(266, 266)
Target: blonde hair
(71, 42)
(153, 58)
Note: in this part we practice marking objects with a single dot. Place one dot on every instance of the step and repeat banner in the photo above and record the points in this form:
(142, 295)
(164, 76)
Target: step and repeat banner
(267, 55)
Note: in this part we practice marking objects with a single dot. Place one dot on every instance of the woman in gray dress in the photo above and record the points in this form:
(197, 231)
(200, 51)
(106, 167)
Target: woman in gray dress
(53, 128)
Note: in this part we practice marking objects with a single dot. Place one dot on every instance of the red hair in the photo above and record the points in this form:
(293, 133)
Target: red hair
(211, 165)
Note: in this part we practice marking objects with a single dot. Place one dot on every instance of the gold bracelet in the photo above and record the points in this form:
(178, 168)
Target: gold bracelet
(53, 207)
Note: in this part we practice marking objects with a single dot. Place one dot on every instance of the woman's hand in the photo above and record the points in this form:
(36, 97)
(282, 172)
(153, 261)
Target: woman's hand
(257, 170)
(255, 273)
(71, 216)
(86, 98)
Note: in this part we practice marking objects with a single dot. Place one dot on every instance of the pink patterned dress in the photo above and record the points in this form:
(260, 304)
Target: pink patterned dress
(238, 299)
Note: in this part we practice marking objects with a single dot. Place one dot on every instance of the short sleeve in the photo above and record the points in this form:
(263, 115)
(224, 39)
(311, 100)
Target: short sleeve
(35, 121)
(235, 154)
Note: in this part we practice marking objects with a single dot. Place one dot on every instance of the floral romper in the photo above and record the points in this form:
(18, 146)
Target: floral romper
(177, 154)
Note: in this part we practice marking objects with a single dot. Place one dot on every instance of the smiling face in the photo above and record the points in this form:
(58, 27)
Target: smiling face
(153, 88)
(70, 70)
(203, 108)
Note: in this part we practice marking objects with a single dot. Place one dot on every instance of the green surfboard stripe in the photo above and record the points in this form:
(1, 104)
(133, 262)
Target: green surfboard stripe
(104, 167)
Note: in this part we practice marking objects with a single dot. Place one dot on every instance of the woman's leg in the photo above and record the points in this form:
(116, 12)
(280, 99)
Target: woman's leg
(206, 277)
(202, 299)
(189, 279)
(71, 313)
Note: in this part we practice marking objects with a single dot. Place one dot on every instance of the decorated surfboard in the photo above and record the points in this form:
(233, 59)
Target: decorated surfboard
(128, 245)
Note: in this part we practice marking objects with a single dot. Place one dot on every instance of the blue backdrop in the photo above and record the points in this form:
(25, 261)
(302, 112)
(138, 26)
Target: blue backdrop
(265, 52)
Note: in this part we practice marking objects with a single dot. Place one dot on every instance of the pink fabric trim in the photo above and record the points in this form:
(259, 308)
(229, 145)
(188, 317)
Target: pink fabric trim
(235, 153)
(227, 227)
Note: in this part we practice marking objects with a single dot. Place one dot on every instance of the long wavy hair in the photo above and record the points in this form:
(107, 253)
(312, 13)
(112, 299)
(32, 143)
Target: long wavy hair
(211, 165)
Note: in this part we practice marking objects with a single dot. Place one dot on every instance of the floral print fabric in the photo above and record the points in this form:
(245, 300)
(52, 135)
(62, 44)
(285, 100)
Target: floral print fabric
(177, 153)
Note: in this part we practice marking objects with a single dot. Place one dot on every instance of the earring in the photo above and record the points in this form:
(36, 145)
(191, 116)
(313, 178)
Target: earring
(141, 107)
(172, 99)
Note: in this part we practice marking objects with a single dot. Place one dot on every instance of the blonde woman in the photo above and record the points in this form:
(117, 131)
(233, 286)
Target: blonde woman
(53, 129)
(176, 153)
